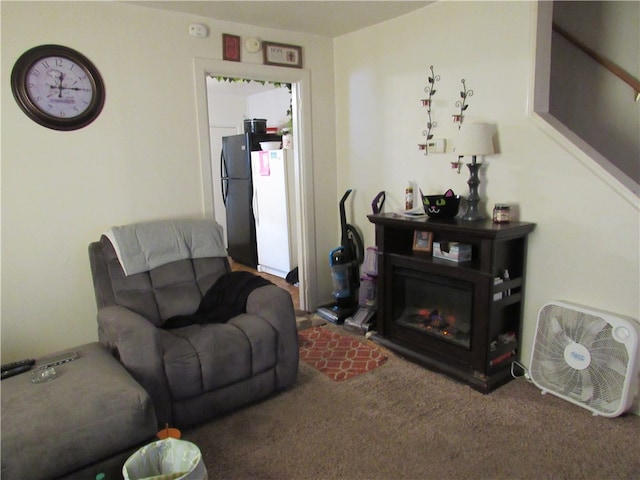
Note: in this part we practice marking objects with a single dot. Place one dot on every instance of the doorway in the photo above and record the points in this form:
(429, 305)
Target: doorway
(303, 181)
(231, 101)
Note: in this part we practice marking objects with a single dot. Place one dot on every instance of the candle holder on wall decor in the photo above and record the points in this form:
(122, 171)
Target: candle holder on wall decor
(459, 117)
(462, 104)
(427, 102)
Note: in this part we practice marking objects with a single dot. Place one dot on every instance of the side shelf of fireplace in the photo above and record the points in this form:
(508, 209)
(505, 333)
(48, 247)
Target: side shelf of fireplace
(461, 319)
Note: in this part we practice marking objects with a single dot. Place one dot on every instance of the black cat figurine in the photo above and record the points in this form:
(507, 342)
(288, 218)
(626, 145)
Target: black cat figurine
(441, 206)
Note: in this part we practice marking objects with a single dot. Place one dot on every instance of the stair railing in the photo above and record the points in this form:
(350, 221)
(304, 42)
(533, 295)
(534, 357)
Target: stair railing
(618, 71)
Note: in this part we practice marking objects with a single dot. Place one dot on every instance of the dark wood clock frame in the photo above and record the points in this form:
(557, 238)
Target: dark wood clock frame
(19, 85)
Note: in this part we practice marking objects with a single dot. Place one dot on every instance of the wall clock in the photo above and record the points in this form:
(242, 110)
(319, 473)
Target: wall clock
(57, 87)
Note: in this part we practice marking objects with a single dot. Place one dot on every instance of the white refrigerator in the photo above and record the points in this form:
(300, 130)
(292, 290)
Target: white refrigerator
(274, 211)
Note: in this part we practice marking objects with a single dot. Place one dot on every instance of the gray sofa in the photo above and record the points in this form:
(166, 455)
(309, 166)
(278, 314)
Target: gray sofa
(88, 420)
(198, 371)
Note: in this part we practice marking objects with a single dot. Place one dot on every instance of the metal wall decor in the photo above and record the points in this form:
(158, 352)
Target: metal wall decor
(427, 102)
(459, 117)
(462, 104)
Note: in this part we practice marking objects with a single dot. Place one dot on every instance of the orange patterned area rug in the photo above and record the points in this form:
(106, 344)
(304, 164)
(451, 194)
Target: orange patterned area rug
(337, 356)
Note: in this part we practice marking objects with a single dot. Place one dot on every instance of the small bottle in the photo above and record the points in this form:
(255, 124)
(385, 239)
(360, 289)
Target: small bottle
(501, 213)
(408, 197)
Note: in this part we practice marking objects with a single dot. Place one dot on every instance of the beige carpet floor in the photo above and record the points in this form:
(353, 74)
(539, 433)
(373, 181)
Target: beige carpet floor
(401, 421)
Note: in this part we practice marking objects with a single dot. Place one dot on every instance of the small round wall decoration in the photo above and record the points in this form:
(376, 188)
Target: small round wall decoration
(57, 87)
(252, 45)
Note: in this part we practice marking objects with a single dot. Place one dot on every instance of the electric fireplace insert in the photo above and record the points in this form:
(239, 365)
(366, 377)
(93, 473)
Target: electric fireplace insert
(433, 305)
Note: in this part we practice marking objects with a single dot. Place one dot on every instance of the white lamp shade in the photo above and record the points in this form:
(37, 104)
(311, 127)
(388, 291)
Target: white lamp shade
(475, 139)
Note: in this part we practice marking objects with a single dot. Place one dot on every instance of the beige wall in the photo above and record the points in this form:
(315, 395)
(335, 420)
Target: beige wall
(585, 248)
(139, 160)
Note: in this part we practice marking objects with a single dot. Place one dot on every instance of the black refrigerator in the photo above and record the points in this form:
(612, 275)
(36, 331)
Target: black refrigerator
(237, 194)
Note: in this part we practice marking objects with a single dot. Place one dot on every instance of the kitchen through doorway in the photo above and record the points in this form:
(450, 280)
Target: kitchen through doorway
(228, 95)
(230, 101)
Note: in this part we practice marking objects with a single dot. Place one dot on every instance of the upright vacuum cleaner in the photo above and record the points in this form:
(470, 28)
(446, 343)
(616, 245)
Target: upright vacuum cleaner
(363, 319)
(345, 262)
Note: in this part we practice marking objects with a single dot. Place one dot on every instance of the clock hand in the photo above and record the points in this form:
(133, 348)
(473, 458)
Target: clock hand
(76, 88)
(62, 87)
(56, 87)
(58, 77)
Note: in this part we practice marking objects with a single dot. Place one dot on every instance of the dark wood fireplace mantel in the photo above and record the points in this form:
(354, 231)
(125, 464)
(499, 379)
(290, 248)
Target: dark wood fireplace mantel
(480, 349)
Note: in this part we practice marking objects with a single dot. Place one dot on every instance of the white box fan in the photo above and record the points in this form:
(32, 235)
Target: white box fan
(586, 356)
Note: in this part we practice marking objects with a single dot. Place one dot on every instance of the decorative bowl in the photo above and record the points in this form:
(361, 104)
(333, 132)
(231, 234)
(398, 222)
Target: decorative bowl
(441, 206)
(270, 145)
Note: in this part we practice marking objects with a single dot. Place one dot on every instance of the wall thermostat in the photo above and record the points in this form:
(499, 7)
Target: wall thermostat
(198, 30)
(437, 145)
(252, 45)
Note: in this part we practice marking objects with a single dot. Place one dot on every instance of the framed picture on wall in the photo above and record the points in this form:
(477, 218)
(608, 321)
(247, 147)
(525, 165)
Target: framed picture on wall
(422, 241)
(281, 54)
(230, 47)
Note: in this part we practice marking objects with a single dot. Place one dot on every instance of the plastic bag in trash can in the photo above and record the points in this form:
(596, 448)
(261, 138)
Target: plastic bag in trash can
(167, 460)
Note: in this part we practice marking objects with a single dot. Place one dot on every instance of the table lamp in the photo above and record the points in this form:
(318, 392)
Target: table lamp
(474, 139)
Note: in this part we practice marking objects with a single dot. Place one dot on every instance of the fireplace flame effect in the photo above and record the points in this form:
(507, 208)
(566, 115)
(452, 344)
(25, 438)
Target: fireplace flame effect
(433, 321)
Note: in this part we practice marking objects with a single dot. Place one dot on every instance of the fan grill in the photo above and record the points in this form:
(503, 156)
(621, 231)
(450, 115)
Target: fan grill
(600, 384)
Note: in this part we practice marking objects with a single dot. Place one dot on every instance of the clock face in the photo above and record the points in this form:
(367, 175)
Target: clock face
(57, 87)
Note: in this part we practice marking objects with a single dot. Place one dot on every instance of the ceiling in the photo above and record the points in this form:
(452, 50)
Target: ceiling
(325, 18)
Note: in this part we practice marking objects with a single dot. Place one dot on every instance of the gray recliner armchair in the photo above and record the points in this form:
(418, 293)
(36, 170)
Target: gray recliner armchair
(195, 372)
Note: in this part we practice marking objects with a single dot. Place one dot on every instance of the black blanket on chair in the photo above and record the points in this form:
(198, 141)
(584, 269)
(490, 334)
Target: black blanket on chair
(226, 299)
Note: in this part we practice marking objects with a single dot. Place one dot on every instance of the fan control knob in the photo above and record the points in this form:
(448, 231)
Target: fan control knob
(621, 334)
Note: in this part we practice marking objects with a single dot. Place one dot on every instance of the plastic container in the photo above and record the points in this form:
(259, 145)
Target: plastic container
(340, 274)
(255, 125)
(340, 279)
(170, 458)
(370, 264)
(367, 294)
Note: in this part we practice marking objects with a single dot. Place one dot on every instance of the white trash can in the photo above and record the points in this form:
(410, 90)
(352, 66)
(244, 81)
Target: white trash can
(168, 459)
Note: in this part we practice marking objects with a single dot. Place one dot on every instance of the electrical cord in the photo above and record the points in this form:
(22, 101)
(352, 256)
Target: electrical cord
(525, 371)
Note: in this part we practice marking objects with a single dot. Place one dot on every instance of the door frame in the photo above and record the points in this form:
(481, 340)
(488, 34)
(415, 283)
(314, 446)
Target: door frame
(300, 80)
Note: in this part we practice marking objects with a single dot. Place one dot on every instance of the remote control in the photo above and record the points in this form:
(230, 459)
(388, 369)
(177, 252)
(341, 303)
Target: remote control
(14, 371)
(58, 359)
(21, 363)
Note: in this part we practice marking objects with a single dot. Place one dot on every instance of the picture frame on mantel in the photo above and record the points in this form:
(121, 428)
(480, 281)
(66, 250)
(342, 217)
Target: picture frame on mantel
(281, 54)
(230, 47)
(422, 241)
